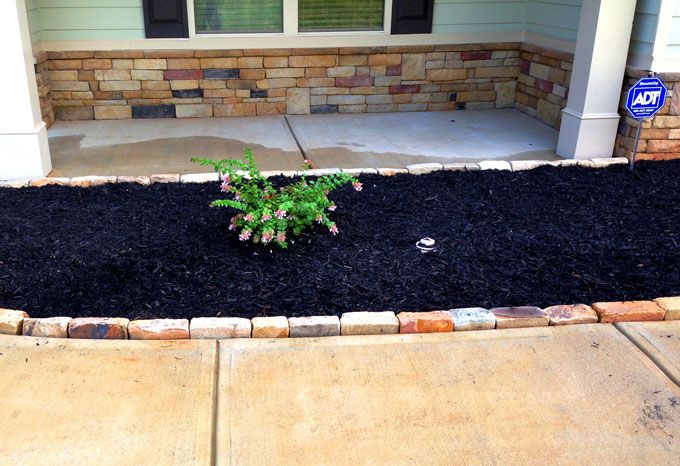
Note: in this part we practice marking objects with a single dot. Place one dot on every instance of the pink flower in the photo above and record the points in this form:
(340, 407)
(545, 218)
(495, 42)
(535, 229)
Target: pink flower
(225, 178)
(237, 196)
(225, 187)
(249, 218)
(232, 226)
(358, 186)
(319, 218)
(281, 237)
(280, 213)
(245, 235)
(266, 217)
(308, 162)
(333, 229)
(332, 207)
(267, 236)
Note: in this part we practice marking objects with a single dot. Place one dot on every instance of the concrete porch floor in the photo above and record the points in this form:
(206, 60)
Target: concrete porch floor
(145, 147)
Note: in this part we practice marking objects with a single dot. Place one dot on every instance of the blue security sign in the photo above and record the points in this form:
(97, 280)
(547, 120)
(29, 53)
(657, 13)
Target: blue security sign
(646, 97)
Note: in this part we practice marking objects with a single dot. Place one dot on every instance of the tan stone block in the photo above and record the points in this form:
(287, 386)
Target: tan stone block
(497, 72)
(39, 182)
(65, 64)
(144, 180)
(316, 82)
(155, 85)
(220, 327)
(122, 64)
(476, 96)
(12, 321)
(119, 54)
(369, 90)
(381, 108)
(150, 64)
(316, 72)
(226, 110)
(183, 63)
(120, 85)
(63, 75)
(314, 326)
(341, 71)
(69, 86)
(271, 108)
(384, 59)
(379, 70)
(659, 145)
(671, 306)
(82, 95)
(629, 311)
(505, 94)
(664, 121)
(241, 84)
(159, 329)
(156, 94)
(211, 93)
(450, 74)
(164, 178)
(472, 318)
(112, 75)
(540, 71)
(285, 72)
(424, 168)
(413, 66)
(218, 63)
(89, 181)
(97, 64)
(359, 108)
(369, 323)
(250, 62)
(275, 62)
(270, 327)
(297, 101)
(51, 327)
(146, 75)
(353, 60)
(183, 84)
(212, 84)
(425, 322)
(520, 316)
(252, 73)
(74, 113)
(312, 61)
(194, 111)
(548, 112)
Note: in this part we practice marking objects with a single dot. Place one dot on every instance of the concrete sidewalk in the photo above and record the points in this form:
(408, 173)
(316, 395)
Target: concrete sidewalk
(557, 395)
(146, 147)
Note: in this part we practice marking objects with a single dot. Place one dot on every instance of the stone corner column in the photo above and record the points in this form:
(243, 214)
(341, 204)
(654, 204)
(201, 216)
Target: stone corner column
(590, 120)
(24, 152)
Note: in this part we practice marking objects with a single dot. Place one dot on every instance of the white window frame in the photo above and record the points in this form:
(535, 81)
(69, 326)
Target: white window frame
(290, 25)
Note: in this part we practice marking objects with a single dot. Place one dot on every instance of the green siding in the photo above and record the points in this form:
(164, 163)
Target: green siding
(91, 19)
(644, 27)
(554, 18)
(33, 13)
(674, 40)
(478, 16)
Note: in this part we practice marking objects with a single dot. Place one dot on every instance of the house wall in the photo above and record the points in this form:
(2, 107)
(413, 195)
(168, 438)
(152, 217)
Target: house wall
(482, 15)
(554, 18)
(674, 41)
(644, 28)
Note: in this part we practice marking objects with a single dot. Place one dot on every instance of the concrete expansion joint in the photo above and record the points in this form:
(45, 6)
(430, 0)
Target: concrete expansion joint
(414, 169)
(17, 322)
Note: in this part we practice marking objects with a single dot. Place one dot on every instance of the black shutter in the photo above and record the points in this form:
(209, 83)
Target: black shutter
(412, 16)
(165, 18)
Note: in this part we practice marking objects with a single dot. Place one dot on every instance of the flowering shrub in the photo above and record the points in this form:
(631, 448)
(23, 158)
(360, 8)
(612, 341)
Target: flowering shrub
(268, 215)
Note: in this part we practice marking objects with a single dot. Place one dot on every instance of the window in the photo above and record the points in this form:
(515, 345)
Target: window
(238, 16)
(340, 15)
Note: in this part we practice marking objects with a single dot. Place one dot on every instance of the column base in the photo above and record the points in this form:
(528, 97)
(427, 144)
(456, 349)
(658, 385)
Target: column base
(25, 155)
(587, 136)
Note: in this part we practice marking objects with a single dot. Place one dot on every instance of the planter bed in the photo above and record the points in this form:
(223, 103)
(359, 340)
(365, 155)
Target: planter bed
(541, 237)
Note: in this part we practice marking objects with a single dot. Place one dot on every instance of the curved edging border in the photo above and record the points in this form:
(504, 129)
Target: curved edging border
(415, 169)
(15, 322)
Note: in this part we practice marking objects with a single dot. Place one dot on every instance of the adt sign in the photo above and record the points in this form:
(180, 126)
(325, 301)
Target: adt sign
(646, 97)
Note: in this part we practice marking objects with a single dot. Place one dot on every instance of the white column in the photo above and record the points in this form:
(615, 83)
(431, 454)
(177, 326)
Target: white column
(590, 120)
(24, 152)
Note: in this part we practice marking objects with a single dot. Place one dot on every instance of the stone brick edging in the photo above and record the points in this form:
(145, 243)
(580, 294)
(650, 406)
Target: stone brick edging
(415, 169)
(14, 322)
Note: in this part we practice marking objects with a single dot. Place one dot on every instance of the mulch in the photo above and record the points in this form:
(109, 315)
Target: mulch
(541, 237)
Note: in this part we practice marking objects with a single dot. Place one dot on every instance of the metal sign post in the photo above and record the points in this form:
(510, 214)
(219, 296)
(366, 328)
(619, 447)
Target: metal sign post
(645, 98)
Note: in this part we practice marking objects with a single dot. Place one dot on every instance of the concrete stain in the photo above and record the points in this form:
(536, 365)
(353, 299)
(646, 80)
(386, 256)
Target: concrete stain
(164, 155)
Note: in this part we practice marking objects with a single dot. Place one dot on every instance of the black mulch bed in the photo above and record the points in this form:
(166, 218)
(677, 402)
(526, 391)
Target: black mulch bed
(541, 237)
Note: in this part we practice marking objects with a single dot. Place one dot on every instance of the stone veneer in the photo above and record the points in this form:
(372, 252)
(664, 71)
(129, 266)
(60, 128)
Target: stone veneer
(543, 83)
(660, 136)
(44, 92)
(205, 83)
